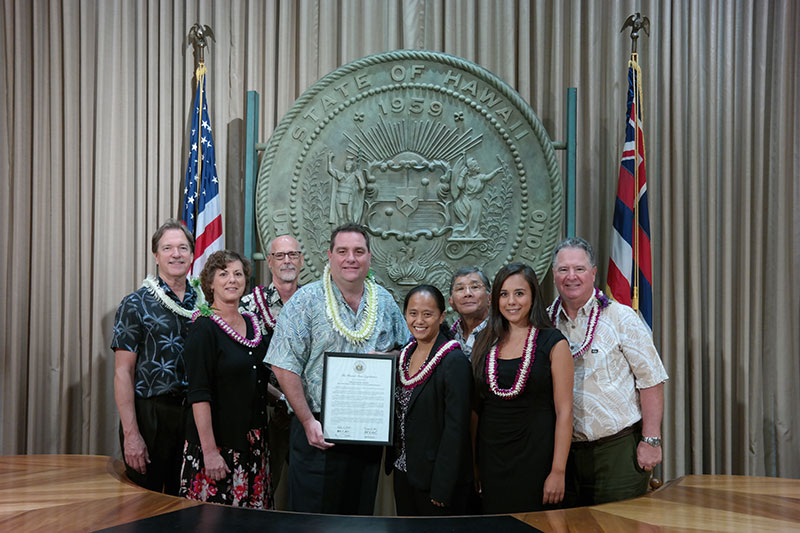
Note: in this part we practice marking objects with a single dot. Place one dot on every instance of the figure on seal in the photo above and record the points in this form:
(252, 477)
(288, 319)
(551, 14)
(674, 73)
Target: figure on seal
(467, 189)
(347, 192)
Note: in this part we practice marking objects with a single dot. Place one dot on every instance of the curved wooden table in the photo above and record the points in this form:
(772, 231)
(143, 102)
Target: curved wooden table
(87, 493)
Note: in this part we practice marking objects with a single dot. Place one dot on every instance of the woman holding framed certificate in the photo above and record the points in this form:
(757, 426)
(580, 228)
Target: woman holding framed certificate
(432, 457)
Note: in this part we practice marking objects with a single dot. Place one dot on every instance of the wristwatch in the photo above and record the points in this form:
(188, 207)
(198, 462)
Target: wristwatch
(652, 441)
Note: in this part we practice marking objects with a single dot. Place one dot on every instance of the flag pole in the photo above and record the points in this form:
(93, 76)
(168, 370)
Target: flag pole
(636, 22)
(200, 74)
(635, 65)
(198, 35)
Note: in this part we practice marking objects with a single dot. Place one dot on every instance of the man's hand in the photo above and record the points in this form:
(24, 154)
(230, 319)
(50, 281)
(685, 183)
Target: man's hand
(136, 455)
(293, 389)
(315, 436)
(652, 400)
(216, 467)
(648, 456)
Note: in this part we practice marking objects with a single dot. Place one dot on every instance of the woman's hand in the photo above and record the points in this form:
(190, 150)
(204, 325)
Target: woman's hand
(216, 467)
(476, 479)
(553, 488)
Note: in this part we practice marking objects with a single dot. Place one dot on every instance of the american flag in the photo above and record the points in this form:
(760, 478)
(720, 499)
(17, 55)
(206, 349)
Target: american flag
(630, 272)
(202, 212)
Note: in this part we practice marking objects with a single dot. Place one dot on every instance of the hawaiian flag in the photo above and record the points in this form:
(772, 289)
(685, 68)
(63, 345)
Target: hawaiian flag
(202, 212)
(630, 272)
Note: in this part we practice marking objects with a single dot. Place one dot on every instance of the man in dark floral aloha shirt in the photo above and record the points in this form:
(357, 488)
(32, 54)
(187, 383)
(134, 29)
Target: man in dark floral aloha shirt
(150, 377)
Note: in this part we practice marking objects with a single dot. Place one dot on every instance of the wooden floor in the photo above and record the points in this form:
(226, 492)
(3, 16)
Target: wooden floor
(87, 493)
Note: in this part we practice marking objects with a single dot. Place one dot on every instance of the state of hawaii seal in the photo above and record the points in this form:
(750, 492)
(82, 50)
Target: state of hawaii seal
(443, 162)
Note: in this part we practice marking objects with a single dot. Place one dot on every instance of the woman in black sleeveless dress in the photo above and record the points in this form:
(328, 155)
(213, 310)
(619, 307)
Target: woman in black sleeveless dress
(524, 376)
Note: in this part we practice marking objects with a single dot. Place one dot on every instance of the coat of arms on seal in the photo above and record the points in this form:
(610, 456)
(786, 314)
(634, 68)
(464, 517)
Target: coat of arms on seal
(443, 162)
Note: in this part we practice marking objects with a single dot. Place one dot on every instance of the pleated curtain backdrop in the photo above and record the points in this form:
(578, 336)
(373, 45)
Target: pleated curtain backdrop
(94, 110)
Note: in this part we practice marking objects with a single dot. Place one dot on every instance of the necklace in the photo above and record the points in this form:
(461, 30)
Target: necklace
(261, 304)
(234, 335)
(153, 287)
(370, 310)
(523, 371)
(601, 301)
(423, 373)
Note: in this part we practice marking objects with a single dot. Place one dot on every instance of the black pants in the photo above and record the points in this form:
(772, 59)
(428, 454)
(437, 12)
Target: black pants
(411, 501)
(161, 423)
(340, 480)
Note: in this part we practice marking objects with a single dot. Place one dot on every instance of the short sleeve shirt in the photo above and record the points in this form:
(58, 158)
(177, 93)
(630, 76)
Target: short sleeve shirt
(272, 299)
(144, 326)
(621, 359)
(468, 342)
(304, 333)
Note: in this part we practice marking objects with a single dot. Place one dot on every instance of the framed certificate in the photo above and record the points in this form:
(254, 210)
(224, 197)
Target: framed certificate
(358, 398)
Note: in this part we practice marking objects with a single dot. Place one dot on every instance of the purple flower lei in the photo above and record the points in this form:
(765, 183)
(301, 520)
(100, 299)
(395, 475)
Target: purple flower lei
(232, 332)
(409, 382)
(523, 371)
(591, 326)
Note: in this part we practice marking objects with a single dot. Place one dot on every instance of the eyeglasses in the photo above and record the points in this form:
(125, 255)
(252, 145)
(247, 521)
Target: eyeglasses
(473, 287)
(280, 256)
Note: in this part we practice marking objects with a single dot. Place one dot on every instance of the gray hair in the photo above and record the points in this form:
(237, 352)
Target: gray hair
(575, 242)
(466, 271)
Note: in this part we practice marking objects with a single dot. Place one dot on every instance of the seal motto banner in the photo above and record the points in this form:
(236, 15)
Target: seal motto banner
(442, 161)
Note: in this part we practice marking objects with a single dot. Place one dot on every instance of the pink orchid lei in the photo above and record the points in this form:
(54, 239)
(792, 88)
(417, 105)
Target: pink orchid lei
(261, 304)
(524, 370)
(409, 382)
(232, 332)
(600, 303)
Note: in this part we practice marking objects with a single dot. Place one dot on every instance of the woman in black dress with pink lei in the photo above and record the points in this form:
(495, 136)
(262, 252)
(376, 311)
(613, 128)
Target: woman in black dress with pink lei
(225, 458)
(524, 376)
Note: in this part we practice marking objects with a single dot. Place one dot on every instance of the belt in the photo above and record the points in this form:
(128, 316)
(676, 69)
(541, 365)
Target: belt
(602, 440)
(170, 398)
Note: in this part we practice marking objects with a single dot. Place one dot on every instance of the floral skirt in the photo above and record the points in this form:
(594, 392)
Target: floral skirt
(248, 485)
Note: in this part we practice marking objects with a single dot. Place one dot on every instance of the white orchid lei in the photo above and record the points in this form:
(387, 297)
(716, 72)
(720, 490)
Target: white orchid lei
(153, 287)
(601, 301)
(524, 370)
(370, 310)
(423, 373)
